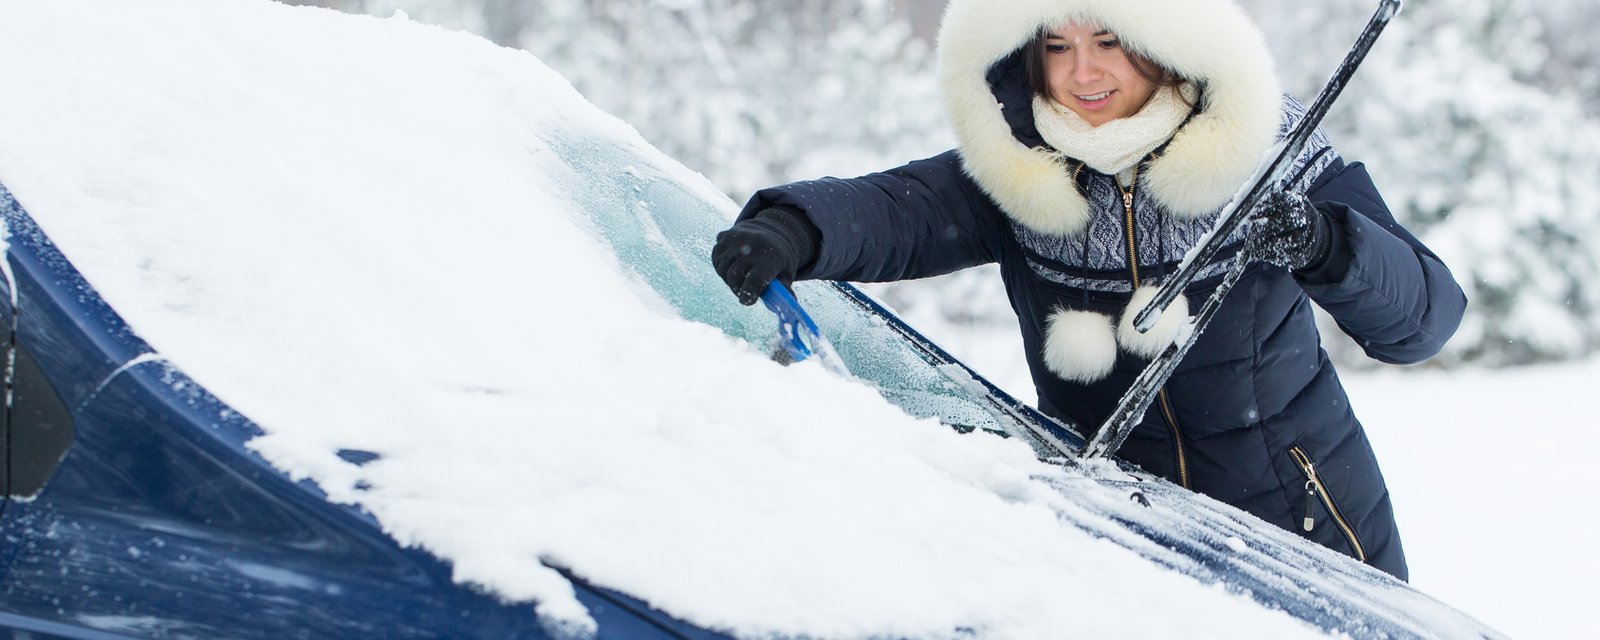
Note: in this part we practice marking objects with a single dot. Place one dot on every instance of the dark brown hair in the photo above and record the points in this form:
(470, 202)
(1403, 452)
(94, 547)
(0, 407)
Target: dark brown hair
(1035, 51)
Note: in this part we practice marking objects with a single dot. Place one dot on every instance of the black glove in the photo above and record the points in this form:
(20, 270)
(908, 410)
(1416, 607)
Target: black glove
(1287, 231)
(771, 245)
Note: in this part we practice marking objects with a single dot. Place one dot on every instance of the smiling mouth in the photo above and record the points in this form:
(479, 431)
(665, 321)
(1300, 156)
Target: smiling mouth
(1096, 97)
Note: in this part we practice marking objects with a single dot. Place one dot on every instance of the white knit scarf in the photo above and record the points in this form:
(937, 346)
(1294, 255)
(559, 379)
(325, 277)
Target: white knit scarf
(1115, 146)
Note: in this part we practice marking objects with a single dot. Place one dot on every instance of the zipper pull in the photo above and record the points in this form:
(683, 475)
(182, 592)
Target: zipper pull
(1127, 200)
(1310, 522)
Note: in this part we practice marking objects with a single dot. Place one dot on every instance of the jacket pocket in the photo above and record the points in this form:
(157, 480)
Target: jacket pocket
(1317, 492)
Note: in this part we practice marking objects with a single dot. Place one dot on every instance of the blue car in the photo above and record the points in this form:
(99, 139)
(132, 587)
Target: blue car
(138, 503)
(134, 508)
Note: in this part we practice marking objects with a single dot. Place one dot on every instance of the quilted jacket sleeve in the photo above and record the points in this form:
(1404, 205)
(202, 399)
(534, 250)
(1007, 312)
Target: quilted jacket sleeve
(924, 219)
(1396, 298)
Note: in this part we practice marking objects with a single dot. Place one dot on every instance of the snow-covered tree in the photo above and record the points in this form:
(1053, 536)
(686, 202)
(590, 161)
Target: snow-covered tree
(1574, 51)
(750, 93)
(1495, 173)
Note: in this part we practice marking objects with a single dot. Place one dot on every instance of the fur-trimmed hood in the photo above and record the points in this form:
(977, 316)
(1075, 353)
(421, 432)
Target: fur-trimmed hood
(1208, 42)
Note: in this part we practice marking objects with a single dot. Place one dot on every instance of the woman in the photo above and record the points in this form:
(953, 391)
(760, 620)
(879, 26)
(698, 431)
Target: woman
(1099, 140)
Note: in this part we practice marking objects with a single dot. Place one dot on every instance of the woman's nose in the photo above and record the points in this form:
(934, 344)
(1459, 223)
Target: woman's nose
(1085, 69)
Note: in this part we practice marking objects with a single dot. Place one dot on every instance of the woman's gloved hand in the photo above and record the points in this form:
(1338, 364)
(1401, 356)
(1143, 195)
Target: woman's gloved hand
(774, 244)
(1287, 231)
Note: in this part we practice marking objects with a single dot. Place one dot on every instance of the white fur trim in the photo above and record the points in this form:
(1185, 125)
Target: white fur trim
(1208, 41)
(1080, 346)
(1150, 344)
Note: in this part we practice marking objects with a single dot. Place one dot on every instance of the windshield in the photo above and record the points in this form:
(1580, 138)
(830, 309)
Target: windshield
(663, 232)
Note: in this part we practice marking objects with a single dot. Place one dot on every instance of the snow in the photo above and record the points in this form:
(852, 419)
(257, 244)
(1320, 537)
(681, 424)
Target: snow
(360, 233)
(1492, 488)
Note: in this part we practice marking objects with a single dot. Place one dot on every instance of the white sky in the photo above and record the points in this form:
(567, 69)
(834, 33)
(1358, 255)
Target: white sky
(356, 232)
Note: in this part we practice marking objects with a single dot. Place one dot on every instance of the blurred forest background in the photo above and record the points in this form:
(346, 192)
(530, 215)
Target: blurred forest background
(1480, 120)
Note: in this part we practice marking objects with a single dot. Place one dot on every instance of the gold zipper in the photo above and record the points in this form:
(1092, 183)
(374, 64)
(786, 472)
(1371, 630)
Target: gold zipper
(1127, 206)
(1177, 439)
(1315, 489)
(1133, 266)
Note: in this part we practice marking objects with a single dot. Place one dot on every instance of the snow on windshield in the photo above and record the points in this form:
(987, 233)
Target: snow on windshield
(357, 232)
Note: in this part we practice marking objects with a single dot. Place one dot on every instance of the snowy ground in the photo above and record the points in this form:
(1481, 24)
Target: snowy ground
(1489, 472)
(1491, 479)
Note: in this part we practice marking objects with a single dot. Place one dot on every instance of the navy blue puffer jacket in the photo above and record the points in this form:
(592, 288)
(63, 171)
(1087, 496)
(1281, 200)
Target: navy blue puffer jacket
(1255, 415)
(1255, 409)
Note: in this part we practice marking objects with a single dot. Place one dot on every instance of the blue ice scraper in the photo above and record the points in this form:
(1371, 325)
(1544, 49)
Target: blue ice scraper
(797, 334)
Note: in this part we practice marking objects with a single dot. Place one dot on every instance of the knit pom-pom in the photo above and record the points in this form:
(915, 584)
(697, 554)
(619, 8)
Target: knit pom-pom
(1080, 346)
(1150, 344)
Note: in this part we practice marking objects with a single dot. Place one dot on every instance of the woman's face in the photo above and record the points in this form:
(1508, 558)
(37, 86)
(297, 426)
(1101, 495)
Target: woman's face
(1088, 71)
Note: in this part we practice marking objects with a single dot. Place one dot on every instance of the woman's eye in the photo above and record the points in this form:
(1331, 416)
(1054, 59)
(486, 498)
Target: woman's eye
(1055, 48)
(1110, 44)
